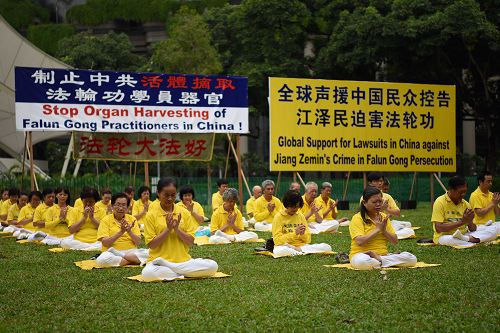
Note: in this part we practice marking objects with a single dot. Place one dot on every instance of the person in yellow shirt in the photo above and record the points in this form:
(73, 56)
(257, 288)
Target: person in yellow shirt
(142, 206)
(291, 233)
(328, 207)
(250, 204)
(105, 202)
(266, 207)
(453, 219)
(4, 209)
(485, 203)
(222, 186)
(40, 215)
(83, 224)
(295, 186)
(129, 191)
(226, 224)
(78, 202)
(403, 228)
(120, 235)
(13, 214)
(169, 232)
(5, 195)
(370, 230)
(312, 211)
(25, 219)
(56, 218)
(186, 194)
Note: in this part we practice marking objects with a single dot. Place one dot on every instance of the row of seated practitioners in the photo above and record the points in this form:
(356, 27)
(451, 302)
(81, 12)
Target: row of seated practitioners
(170, 228)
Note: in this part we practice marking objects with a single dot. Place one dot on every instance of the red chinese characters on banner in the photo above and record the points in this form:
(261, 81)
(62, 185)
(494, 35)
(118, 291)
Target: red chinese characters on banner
(143, 146)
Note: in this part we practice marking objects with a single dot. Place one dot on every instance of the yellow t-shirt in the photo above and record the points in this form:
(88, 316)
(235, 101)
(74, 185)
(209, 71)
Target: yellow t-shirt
(13, 213)
(284, 226)
(154, 205)
(88, 231)
(377, 244)
(320, 203)
(39, 215)
(104, 207)
(250, 205)
(78, 203)
(480, 200)
(53, 223)
(109, 226)
(27, 212)
(219, 219)
(138, 208)
(445, 211)
(216, 200)
(196, 208)
(4, 209)
(172, 249)
(131, 206)
(261, 213)
(306, 209)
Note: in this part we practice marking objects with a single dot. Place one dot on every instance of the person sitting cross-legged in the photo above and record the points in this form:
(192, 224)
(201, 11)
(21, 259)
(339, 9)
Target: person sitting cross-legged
(266, 207)
(226, 224)
(120, 235)
(485, 203)
(169, 232)
(453, 219)
(370, 231)
(291, 233)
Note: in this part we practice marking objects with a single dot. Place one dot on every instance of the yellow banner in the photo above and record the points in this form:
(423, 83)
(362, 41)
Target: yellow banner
(329, 125)
(143, 147)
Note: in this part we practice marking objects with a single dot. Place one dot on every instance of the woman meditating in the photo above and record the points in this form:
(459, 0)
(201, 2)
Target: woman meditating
(56, 218)
(370, 231)
(25, 218)
(141, 206)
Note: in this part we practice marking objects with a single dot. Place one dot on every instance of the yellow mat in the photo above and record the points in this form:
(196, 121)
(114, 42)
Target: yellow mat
(204, 240)
(419, 264)
(87, 265)
(270, 254)
(252, 229)
(25, 241)
(5, 233)
(215, 276)
(409, 237)
(415, 228)
(8, 236)
(60, 249)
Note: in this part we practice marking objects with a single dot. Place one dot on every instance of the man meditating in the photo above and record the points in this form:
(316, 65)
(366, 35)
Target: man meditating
(266, 207)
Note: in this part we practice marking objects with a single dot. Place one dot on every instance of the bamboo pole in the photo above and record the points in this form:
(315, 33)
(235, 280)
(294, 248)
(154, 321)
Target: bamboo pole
(227, 157)
(240, 185)
(431, 189)
(346, 184)
(301, 180)
(278, 182)
(440, 182)
(237, 160)
(412, 185)
(32, 170)
(146, 174)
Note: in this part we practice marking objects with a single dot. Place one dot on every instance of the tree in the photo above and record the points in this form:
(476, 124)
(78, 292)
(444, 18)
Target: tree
(445, 42)
(188, 48)
(108, 52)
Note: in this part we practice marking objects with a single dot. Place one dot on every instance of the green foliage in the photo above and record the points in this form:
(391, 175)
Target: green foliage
(95, 12)
(47, 36)
(188, 48)
(300, 291)
(22, 13)
(111, 51)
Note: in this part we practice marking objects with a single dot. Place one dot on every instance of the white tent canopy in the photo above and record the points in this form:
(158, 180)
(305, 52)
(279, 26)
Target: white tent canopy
(17, 51)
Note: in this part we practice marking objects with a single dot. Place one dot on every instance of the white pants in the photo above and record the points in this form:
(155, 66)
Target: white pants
(403, 229)
(52, 240)
(72, 244)
(222, 238)
(285, 251)
(250, 222)
(165, 270)
(108, 259)
(11, 228)
(245, 222)
(484, 234)
(263, 226)
(496, 224)
(363, 261)
(324, 226)
(345, 223)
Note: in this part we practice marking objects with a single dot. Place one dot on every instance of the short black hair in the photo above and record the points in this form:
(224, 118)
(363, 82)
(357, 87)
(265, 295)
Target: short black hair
(129, 189)
(47, 191)
(65, 190)
(455, 182)
(164, 182)
(143, 189)
(185, 190)
(482, 176)
(373, 176)
(35, 194)
(13, 191)
(106, 190)
(222, 181)
(292, 198)
(118, 196)
(90, 193)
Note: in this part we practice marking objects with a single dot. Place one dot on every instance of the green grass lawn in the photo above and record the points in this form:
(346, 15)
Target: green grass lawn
(43, 291)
